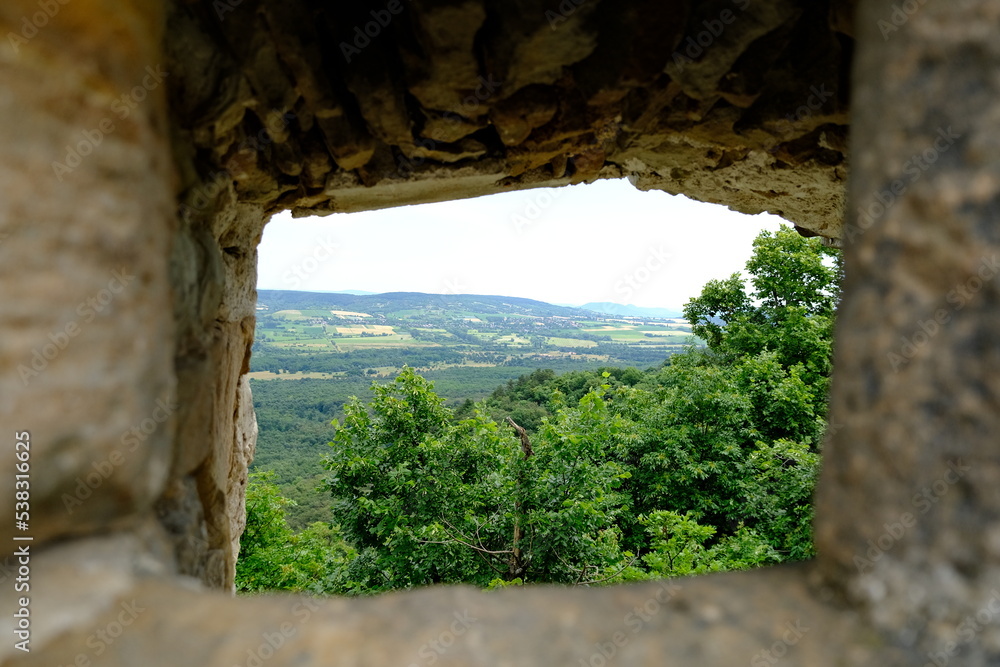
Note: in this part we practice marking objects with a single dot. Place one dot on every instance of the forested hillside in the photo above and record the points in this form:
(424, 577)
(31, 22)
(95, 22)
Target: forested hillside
(703, 462)
(402, 303)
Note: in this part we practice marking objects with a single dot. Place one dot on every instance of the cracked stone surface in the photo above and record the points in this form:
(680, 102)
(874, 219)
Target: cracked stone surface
(323, 108)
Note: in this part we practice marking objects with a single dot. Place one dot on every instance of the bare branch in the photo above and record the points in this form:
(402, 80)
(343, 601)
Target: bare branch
(465, 542)
(611, 576)
(471, 546)
(523, 434)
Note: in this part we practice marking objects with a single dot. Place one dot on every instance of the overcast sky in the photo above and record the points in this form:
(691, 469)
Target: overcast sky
(601, 242)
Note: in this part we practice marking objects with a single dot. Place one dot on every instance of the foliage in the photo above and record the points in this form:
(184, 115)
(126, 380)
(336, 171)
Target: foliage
(273, 557)
(789, 310)
(678, 547)
(530, 398)
(401, 473)
(704, 463)
(428, 499)
(294, 426)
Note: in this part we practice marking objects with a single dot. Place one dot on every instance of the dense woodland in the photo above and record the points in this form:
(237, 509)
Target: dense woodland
(704, 461)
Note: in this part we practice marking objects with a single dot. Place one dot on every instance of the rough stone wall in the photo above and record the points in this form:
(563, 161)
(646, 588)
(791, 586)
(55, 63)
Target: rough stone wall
(87, 212)
(319, 107)
(130, 278)
(214, 275)
(131, 292)
(915, 461)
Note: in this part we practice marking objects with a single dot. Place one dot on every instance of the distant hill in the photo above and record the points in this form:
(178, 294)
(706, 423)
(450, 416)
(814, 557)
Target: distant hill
(609, 308)
(392, 302)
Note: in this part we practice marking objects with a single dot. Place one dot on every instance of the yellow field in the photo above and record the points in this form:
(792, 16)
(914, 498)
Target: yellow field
(372, 329)
(268, 375)
(382, 341)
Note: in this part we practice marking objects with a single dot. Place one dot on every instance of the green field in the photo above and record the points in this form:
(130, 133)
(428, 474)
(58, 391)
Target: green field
(571, 342)
(631, 335)
(299, 334)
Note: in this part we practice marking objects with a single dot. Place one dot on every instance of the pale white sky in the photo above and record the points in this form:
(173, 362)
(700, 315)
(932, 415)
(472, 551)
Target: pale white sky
(601, 242)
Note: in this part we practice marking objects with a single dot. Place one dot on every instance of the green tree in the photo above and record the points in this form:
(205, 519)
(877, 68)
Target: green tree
(575, 504)
(679, 547)
(265, 531)
(427, 499)
(789, 310)
(273, 557)
(730, 436)
(688, 451)
(411, 487)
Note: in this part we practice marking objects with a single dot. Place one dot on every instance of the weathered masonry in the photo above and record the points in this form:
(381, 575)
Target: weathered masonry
(145, 143)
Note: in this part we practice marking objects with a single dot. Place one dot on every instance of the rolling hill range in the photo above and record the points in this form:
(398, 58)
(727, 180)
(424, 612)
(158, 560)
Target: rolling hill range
(395, 302)
(629, 310)
(309, 334)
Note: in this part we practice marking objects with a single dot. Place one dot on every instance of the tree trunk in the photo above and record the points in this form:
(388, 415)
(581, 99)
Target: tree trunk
(516, 563)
